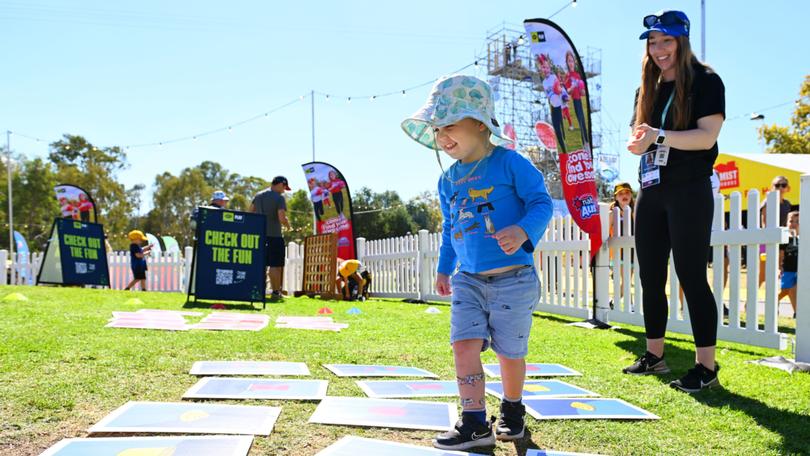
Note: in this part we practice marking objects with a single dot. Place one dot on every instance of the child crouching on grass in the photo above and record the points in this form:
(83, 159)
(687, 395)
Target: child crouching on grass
(495, 208)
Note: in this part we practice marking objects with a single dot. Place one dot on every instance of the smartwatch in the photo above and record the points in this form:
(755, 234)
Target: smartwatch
(661, 137)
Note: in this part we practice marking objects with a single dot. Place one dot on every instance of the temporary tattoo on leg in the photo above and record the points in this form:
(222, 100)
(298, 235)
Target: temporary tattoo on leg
(470, 379)
(466, 402)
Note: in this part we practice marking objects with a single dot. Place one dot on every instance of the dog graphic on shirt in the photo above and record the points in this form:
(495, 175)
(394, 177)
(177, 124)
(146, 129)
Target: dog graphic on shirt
(483, 193)
(464, 215)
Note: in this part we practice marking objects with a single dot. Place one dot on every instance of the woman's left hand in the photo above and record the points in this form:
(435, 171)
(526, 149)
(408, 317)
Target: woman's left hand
(643, 136)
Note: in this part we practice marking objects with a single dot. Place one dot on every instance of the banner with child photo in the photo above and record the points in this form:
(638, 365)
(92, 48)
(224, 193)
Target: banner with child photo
(332, 204)
(75, 203)
(567, 127)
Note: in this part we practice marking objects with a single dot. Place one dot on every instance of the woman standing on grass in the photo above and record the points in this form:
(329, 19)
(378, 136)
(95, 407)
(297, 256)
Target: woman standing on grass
(680, 108)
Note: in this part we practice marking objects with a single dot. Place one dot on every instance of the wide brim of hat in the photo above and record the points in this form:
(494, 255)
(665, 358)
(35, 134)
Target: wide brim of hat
(676, 30)
(420, 128)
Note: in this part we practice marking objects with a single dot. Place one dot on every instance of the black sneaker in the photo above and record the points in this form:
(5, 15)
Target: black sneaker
(276, 296)
(511, 424)
(646, 365)
(468, 433)
(697, 378)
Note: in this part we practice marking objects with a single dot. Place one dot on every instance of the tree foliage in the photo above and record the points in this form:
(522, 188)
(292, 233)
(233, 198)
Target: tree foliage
(95, 169)
(795, 138)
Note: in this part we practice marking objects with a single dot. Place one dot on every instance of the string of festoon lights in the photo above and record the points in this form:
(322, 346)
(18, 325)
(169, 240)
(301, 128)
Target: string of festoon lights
(348, 99)
(327, 96)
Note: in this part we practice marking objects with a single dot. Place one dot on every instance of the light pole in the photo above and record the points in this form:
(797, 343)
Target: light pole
(10, 204)
(703, 30)
(312, 105)
(761, 119)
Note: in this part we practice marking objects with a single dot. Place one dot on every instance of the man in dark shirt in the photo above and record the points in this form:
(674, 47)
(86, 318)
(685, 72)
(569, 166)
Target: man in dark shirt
(219, 200)
(778, 184)
(270, 202)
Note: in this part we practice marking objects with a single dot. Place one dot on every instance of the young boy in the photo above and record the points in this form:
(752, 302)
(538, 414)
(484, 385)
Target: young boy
(789, 261)
(137, 257)
(495, 207)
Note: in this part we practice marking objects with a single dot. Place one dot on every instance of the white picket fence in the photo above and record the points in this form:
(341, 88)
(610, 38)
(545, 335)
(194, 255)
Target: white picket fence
(166, 271)
(401, 267)
(405, 267)
(627, 305)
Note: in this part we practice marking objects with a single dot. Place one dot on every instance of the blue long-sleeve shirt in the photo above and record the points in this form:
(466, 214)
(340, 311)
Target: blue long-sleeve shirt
(505, 189)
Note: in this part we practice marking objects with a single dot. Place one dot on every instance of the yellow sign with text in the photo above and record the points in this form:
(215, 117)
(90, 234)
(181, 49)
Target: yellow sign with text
(739, 174)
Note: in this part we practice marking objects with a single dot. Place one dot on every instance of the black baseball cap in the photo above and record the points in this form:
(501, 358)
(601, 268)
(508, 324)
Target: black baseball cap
(281, 180)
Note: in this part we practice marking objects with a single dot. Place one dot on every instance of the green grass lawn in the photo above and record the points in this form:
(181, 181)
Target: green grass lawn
(61, 371)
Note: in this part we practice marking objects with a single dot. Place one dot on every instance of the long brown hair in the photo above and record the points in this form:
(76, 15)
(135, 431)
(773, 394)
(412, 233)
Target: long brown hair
(650, 78)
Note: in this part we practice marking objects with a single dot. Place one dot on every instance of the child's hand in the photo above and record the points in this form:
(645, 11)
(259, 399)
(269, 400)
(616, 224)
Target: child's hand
(443, 284)
(511, 238)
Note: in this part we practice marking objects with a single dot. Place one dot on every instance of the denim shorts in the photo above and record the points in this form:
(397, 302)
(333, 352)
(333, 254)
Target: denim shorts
(496, 308)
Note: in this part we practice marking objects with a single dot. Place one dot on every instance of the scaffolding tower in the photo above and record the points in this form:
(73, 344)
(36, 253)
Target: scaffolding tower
(520, 101)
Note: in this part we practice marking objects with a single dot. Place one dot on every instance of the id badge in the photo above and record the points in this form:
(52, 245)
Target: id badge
(650, 173)
(661, 155)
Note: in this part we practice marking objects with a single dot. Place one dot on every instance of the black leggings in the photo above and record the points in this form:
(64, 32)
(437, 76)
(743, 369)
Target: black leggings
(557, 123)
(583, 127)
(318, 205)
(678, 217)
(338, 199)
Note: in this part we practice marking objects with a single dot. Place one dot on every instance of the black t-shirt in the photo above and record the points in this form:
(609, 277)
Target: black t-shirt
(137, 263)
(784, 209)
(707, 97)
(790, 259)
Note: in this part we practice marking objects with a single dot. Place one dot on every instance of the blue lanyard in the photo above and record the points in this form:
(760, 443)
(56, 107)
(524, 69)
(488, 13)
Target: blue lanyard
(666, 108)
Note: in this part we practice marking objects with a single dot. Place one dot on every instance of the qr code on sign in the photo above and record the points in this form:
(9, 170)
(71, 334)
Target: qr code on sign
(224, 277)
(81, 268)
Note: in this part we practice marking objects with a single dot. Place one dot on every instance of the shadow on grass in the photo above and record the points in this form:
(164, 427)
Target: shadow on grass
(640, 336)
(522, 446)
(228, 305)
(791, 426)
(555, 318)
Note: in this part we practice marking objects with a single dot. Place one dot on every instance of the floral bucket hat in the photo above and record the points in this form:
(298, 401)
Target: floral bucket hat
(454, 98)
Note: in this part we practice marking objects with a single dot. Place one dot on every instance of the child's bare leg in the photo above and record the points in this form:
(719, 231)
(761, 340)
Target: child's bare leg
(470, 374)
(131, 284)
(792, 298)
(143, 284)
(513, 374)
(511, 424)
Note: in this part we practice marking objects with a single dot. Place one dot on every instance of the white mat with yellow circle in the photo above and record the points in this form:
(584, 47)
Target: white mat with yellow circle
(542, 388)
(189, 418)
(207, 445)
(584, 408)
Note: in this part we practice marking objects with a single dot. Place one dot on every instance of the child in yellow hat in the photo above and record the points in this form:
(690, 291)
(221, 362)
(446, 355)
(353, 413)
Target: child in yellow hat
(137, 256)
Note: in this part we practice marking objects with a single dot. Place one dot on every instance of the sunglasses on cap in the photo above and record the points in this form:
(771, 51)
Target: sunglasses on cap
(667, 18)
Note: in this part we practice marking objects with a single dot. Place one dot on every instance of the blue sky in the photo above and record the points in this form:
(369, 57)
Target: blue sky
(145, 72)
